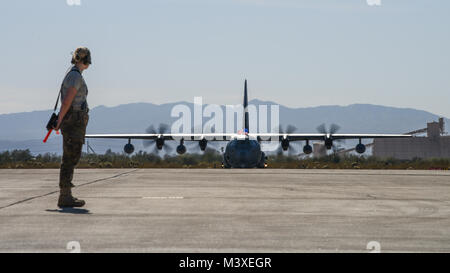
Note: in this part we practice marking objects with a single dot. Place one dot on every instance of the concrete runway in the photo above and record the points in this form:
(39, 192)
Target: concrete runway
(215, 210)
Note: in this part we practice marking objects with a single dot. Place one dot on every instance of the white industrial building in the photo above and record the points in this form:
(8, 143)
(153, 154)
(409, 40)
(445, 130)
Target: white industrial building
(434, 145)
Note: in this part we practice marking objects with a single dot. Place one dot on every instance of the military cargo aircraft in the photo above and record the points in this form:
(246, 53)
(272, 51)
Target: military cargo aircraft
(243, 149)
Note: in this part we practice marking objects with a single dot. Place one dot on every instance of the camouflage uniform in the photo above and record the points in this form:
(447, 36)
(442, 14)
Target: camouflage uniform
(73, 130)
(73, 126)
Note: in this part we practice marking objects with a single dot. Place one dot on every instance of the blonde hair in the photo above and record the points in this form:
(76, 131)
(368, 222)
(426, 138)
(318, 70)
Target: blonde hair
(81, 54)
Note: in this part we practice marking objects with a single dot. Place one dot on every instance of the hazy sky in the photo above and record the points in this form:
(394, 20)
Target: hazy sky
(295, 52)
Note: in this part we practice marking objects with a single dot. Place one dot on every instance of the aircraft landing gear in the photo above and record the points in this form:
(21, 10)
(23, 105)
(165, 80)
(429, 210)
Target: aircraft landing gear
(225, 164)
(262, 163)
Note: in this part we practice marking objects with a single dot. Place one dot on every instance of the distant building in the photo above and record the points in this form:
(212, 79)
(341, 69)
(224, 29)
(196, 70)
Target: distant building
(434, 145)
(319, 150)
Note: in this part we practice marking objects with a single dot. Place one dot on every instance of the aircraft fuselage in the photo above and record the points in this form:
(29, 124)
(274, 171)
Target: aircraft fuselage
(243, 153)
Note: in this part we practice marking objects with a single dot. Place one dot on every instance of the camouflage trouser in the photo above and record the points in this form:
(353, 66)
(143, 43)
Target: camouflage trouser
(73, 130)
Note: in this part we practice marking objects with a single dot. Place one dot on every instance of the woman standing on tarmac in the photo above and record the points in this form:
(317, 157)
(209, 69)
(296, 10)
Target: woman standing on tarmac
(72, 120)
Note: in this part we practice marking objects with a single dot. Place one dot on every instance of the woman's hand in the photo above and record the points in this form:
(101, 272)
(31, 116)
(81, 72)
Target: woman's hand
(65, 105)
(58, 124)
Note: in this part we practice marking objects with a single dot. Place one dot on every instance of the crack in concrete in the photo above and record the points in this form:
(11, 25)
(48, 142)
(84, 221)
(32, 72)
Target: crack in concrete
(53, 192)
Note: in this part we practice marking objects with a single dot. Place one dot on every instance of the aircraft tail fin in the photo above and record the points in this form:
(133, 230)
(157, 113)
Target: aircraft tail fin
(246, 120)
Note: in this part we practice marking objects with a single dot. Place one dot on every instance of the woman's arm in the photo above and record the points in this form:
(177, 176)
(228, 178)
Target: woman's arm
(67, 102)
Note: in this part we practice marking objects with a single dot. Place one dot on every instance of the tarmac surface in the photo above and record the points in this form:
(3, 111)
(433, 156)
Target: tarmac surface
(216, 210)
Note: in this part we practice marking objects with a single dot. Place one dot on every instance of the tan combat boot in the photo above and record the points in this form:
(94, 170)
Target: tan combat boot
(66, 200)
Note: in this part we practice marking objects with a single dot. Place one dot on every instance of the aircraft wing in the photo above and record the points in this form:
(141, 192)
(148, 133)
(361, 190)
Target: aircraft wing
(360, 136)
(186, 137)
(299, 137)
(225, 137)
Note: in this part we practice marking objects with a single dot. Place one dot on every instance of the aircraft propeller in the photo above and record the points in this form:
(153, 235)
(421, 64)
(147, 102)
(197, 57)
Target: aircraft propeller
(286, 145)
(158, 143)
(196, 146)
(329, 141)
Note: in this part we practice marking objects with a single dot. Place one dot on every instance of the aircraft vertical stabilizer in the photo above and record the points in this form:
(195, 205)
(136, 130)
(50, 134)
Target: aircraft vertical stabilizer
(246, 120)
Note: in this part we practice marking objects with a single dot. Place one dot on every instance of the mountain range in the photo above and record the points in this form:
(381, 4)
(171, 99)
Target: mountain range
(27, 129)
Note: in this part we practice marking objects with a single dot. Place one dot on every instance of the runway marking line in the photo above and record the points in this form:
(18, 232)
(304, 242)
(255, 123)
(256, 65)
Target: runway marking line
(163, 197)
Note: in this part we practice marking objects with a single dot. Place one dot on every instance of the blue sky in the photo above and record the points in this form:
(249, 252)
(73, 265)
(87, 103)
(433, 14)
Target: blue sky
(298, 53)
